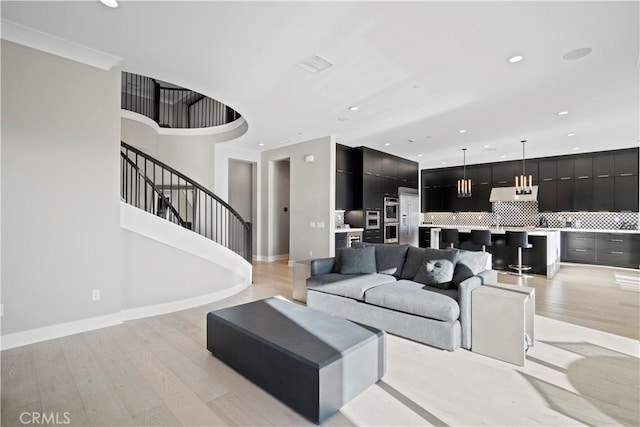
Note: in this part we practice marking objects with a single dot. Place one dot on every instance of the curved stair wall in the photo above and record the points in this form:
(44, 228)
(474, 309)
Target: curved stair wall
(165, 267)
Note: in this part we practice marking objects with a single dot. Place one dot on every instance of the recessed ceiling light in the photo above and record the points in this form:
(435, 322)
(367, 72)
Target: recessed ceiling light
(387, 144)
(354, 108)
(411, 140)
(563, 113)
(462, 131)
(110, 3)
(515, 58)
(576, 148)
(419, 155)
(486, 146)
(503, 156)
(261, 145)
(577, 53)
(571, 134)
(444, 163)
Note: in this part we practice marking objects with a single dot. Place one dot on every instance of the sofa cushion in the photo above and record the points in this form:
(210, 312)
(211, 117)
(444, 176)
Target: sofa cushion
(358, 261)
(468, 264)
(437, 268)
(413, 298)
(338, 261)
(389, 258)
(412, 263)
(352, 286)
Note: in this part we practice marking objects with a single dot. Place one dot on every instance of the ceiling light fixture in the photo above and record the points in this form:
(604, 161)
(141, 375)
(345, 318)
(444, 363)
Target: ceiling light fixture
(464, 184)
(563, 113)
(354, 108)
(261, 145)
(503, 157)
(462, 131)
(315, 64)
(525, 185)
(444, 163)
(411, 140)
(486, 146)
(571, 134)
(576, 148)
(419, 155)
(515, 58)
(387, 144)
(110, 3)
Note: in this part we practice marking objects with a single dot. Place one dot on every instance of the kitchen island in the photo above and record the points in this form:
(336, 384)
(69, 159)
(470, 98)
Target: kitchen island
(543, 257)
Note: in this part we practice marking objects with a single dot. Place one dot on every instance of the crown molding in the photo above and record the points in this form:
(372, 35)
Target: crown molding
(45, 42)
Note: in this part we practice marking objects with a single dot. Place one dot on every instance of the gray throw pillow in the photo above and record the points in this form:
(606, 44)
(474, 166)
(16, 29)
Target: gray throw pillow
(338, 261)
(437, 268)
(469, 264)
(412, 263)
(358, 261)
(389, 257)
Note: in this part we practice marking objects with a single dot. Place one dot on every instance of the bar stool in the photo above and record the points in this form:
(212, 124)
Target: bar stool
(449, 235)
(520, 240)
(481, 237)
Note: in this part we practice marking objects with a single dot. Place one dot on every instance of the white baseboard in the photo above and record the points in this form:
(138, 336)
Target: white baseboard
(170, 307)
(270, 258)
(31, 336)
(60, 330)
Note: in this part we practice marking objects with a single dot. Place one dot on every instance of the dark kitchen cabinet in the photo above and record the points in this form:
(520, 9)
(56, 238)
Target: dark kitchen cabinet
(614, 249)
(547, 170)
(372, 236)
(504, 174)
(371, 192)
(626, 193)
(583, 194)
(583, 167)
(547, 196)
(371, 162)
(564, 195)
(344, 191)
(626, 163)
(603, 165)
(344, 158)
(565, 169)
(603, 194)
(424, 237)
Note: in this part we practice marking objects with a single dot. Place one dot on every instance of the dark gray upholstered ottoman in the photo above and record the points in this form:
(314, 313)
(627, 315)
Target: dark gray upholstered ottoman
(311, 361)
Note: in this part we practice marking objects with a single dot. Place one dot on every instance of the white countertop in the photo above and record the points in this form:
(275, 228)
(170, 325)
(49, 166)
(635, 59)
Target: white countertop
(349, 230)
(467, 228)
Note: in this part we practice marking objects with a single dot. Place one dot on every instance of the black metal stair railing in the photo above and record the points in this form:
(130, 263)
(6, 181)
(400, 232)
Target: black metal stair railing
(155, 187)
(171, 106)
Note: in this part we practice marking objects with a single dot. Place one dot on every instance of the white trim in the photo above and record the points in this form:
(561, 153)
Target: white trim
(31, 336)
(45, 42)
(184, 304)
(270, 258)
(215, 130)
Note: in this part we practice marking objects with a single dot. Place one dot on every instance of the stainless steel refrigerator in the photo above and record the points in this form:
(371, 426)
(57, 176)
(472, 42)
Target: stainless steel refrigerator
(409, 216)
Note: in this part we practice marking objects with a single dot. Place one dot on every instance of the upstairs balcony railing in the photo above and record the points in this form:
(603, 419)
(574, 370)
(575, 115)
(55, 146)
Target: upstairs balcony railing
(149, 184)
(171, 106)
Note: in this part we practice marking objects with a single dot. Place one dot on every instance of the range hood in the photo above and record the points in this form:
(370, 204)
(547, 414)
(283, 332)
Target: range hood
(508, 194)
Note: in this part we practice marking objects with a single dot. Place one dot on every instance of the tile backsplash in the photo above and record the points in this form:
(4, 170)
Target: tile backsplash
(524, 214)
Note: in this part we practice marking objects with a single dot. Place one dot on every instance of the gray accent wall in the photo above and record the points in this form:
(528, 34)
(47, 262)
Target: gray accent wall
(312, 198)
(60, 189)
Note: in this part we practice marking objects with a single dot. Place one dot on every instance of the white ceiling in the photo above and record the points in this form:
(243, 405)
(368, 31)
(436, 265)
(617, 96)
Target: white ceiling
(417, 70)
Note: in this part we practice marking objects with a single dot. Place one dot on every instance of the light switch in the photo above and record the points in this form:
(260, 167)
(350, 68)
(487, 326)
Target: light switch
(312, 224)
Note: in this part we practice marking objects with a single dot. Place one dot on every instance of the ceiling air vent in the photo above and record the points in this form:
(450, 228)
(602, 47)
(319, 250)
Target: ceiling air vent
(314, 64)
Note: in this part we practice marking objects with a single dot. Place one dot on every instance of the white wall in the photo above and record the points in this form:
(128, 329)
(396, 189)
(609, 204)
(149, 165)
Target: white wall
(60, 189)
(191, 155)
(241, 188)
(312, 198)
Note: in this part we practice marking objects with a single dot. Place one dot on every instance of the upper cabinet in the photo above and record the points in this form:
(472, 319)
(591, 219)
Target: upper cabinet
(365, 176)
(606, 181)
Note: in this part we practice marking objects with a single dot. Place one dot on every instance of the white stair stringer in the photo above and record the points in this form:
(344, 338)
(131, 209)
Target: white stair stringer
(168, 268)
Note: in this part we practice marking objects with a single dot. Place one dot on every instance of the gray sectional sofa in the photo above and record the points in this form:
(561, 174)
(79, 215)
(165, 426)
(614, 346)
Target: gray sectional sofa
(386, 294)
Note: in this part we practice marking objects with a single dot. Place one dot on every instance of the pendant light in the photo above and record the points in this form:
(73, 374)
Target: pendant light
(464, 184)
(523, 183)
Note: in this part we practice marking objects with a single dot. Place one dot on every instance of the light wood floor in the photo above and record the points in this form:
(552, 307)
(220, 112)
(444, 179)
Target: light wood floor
(157, 371)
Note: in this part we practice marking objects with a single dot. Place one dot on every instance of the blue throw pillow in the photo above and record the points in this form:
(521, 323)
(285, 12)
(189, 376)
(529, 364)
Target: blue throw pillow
(358, 261)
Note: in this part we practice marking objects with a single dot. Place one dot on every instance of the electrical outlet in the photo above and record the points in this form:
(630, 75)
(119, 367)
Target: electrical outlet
(95, 295)
(310, 253)
(321, 225)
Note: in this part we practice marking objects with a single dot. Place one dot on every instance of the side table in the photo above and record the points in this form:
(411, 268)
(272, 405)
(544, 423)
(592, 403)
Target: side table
(502, 321)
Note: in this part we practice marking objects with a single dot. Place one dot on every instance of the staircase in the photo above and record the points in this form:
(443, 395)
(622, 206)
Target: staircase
(155, 187)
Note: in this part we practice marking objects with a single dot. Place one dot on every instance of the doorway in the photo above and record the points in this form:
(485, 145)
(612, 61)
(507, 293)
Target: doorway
(281, 214)
(242, 193)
